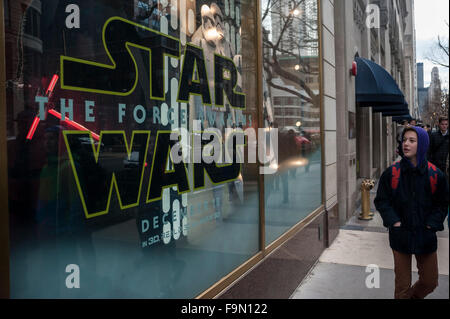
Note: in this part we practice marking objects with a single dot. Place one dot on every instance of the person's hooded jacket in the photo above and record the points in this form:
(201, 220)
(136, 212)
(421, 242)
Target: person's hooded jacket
(413, 203)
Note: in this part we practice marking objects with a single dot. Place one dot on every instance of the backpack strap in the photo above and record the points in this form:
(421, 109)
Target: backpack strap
(395, 175)
(433, 176)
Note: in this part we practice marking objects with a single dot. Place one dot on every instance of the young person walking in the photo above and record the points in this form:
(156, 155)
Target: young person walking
(412, 199)
(439, 140)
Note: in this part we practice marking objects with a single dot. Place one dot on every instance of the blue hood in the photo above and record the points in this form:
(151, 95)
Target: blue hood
(423, 141)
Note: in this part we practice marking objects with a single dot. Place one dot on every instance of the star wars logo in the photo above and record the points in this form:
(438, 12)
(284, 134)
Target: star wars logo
(120, 77)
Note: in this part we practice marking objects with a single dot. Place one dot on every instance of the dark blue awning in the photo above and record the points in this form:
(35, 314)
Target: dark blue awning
(402, 118)
(396, 113)
(375, 86)
(391, 108)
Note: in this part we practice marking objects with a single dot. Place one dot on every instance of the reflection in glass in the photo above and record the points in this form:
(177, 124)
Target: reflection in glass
(91, 202)
(292, 105)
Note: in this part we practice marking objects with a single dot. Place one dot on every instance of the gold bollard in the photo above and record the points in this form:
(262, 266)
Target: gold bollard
(366, 186)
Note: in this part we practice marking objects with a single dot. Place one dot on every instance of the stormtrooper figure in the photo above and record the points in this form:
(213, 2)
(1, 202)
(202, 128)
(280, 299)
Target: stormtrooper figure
(210, 36)
(205, 37)
(223, 46)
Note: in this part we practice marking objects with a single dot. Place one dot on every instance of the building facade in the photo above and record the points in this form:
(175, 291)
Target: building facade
(431, 99)
(422, 91)
(388, 40)
(98, 198)
(434, 90)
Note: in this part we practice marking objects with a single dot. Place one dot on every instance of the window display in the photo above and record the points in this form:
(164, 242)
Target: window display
(93, 181)
(128, 173)
(292, 105)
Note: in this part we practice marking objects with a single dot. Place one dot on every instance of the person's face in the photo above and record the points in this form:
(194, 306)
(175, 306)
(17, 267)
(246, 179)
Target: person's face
(443, 126)
(410, 144)
(413, 123)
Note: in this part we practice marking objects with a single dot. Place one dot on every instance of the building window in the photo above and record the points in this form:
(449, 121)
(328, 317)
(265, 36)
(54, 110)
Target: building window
(89, 196)
(291, 34)
(95, 184)
(32, 22)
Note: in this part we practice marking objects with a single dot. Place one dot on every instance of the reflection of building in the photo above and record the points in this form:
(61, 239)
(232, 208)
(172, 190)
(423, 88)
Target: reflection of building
(23, 43)
(392, 46)
(300, 37)
(290, 110)
(297, 54)
(308, 30)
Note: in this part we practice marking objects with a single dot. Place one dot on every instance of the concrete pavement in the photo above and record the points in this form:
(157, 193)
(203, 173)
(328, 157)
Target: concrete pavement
(341, 271)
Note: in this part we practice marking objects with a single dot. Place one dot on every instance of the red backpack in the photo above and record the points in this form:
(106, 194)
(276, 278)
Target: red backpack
(432, 175)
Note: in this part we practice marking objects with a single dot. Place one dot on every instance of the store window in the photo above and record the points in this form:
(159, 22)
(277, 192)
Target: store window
(291, 78)
(98, 206)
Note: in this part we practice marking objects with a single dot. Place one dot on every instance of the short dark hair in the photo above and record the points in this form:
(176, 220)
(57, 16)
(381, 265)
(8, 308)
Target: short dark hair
(442, 118)
(412, 120)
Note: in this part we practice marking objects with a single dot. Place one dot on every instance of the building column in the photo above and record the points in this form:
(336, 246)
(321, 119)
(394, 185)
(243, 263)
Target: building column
(376, 140)
(364, 135)
(329, 118)
(384, 150)
(341, 108)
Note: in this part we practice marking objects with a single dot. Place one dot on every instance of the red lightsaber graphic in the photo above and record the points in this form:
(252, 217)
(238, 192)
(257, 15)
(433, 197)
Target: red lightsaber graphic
(73, 124)
(52, 85)
(37, 119)
(33, 128)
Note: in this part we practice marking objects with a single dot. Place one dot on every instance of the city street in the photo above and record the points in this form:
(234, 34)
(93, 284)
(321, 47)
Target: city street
(340, 272)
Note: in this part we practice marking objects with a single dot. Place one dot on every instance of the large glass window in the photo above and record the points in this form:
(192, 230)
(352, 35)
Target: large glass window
(292, 105)
(98, 205)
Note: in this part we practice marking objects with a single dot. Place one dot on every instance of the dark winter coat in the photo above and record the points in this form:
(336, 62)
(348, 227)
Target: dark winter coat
(413, 204)
(438, 151)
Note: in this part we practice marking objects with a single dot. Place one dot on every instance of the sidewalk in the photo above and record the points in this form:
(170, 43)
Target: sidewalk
(341, 273)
